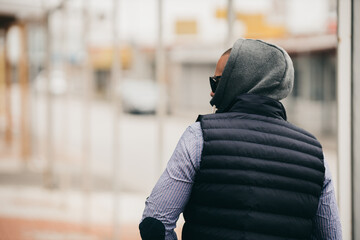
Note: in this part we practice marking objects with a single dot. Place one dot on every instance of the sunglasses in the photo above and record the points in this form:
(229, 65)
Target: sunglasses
(214, 81)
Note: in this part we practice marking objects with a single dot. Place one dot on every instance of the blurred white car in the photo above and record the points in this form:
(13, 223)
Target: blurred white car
(139, 96)
(58, 84)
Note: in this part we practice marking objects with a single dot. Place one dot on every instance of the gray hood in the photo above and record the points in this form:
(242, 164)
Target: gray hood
(254, 67)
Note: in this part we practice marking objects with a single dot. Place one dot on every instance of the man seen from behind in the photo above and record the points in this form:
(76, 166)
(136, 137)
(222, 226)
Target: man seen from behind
(245, 172)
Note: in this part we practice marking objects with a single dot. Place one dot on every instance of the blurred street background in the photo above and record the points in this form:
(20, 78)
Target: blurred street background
(94, 96)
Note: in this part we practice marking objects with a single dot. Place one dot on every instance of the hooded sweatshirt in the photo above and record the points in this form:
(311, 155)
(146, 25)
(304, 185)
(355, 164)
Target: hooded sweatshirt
(260, 177)
(254, 67)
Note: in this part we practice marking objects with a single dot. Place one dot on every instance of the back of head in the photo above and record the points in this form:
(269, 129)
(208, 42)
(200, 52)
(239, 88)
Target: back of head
(256, 67)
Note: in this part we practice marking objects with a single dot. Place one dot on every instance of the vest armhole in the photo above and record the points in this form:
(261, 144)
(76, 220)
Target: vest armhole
(199, 118)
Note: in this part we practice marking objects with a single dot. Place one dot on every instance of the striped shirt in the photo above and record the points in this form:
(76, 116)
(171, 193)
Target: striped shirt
(172, 191)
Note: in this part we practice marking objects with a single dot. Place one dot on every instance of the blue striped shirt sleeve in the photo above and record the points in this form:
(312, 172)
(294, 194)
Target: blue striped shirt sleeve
(172, 191)
(326, 223)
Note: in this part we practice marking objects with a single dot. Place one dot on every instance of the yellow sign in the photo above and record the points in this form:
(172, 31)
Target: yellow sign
(256, 25)
(186, 27)
(101, 58)
(221, 13)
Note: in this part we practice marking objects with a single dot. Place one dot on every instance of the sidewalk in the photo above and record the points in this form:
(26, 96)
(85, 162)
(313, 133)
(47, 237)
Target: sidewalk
(35, 213)
(24, 229)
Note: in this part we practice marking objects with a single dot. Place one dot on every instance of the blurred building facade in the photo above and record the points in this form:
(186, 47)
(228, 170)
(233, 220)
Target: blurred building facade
(71, 42)
(192, 43)
(60, 51)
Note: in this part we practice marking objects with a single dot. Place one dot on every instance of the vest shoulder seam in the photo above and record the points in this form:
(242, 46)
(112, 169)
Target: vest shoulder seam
(269, 145)
(292, 127)
(252, 130)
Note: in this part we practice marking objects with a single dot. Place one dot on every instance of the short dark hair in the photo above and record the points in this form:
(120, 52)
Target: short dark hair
(227, 52)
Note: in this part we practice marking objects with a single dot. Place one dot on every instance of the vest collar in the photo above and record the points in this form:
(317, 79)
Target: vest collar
(259, 105)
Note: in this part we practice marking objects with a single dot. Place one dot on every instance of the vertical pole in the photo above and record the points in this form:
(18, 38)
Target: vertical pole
(65, 181)
(3, 75)
(160, 78)
(49, 155)
(230, 22)
(327, 102)
(87, 90)
(2, 72)
(8, 83)
(24, 86)
(356, 118)
(115, 131)
(344, 116)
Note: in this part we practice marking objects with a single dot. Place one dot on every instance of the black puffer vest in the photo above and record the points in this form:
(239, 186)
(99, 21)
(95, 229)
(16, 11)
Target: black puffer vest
(260, 177)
